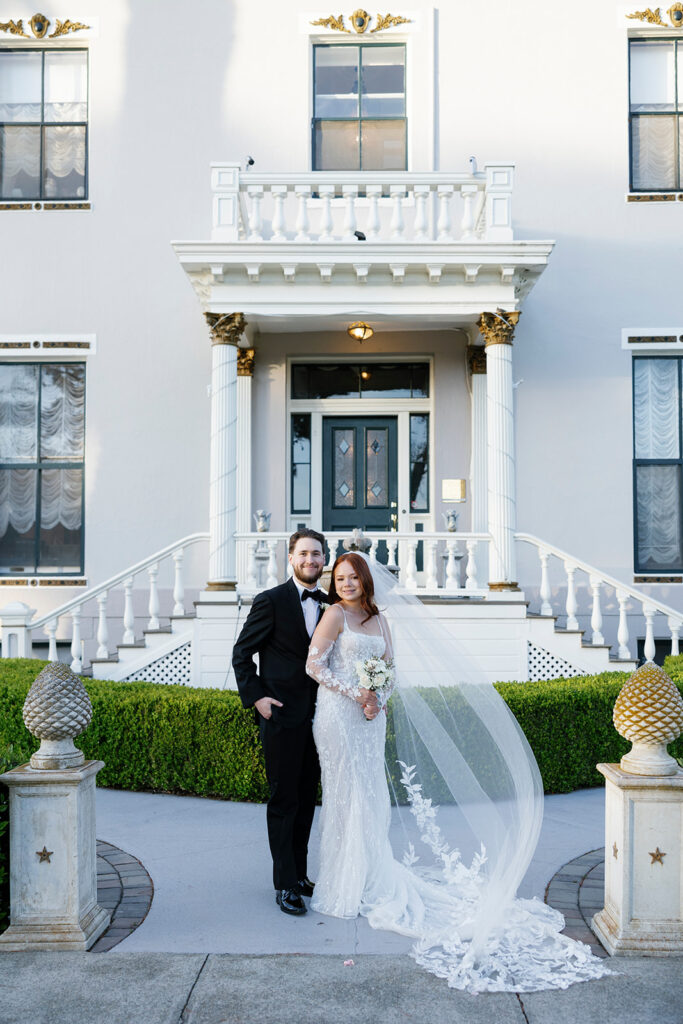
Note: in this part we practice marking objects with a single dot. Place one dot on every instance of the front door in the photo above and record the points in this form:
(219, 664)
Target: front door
(360, 474)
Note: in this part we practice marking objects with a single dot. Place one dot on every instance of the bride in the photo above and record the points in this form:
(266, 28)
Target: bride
(460, 744)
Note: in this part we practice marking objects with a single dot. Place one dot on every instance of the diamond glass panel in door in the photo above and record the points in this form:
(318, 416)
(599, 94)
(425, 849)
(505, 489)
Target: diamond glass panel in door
(376, 468)
(344, 468)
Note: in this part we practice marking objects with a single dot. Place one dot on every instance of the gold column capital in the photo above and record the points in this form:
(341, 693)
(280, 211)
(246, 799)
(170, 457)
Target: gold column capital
(245, 362)
(498, 328)
(476, 358)
(225, 328)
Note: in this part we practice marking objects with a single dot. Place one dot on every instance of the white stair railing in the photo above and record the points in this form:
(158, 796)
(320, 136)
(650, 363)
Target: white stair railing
(626, 598)
(73, 609)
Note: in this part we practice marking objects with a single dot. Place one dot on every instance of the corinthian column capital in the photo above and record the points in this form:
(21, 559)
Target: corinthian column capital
(498, 328)
(476, 359)
(225, 328)
(245, 362)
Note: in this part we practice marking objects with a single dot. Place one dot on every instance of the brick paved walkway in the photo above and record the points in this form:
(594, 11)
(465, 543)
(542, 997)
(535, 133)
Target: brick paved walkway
(123, 887)
(577, 891)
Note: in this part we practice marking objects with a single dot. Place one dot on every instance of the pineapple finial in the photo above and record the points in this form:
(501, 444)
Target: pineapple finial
(56, 709)
(649, 712)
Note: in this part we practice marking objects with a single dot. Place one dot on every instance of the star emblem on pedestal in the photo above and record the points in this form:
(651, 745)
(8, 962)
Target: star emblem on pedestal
(44, 854)
(658, 857)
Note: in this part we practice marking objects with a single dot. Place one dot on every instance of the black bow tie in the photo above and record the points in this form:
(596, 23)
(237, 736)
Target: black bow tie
(315, 595)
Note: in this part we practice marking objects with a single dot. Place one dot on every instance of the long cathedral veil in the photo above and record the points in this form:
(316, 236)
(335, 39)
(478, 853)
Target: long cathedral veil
(476, 795)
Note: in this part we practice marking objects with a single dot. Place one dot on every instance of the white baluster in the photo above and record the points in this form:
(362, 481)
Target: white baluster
(622, 631)
(649, 649)
(128, 613)
(469, 194)
(251, 565)
(153, 607)
(421, 193)
(332, 545)
(303, 194)
(279, 194)
(102, 628)
(51, 630)
(596, 616)
(271, 572)
(373, 550)
(571, 606)
(431, 581)
(675, 627)
(255, 193)
(350, 193)
(411, 568)
(76, 646)
(372, 230)
(392, 544)
(326, 194)
(546, 607)
(452, 566)
(443, 226)
(397, 226)
(471, 583)
(178, 584)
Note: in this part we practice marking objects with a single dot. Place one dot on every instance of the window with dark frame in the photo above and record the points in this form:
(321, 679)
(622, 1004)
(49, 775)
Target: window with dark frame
(359, 108)
(657, 464)
(419, 462)
(43, 124)
(301, 463)
(656, 114)
(42, 442)
(360, 380)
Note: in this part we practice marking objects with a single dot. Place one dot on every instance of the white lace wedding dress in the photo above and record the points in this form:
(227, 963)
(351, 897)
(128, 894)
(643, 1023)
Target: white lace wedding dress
(359, 874)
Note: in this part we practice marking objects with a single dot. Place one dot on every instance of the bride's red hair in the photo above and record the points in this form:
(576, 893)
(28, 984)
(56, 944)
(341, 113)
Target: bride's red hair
(360, 566)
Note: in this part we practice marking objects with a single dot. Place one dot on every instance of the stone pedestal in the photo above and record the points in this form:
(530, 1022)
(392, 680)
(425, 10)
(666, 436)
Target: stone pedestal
(643, 912)
(53, 870)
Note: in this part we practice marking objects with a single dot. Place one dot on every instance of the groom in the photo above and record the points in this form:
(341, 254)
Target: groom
(278, 628)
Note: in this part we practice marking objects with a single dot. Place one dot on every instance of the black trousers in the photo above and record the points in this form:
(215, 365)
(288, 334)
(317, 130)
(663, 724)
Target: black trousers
(293, 773)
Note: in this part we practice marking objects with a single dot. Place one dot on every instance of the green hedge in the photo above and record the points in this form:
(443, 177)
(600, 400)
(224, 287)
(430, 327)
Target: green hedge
(177, 739)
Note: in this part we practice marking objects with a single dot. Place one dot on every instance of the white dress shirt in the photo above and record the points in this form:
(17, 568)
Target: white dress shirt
(310, 608)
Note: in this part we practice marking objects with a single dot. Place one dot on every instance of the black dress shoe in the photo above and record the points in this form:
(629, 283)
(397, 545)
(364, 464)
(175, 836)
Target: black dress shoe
(289, 901)
(305, 886)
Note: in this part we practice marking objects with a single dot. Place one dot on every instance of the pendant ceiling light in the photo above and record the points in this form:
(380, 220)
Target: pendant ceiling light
(360, 331)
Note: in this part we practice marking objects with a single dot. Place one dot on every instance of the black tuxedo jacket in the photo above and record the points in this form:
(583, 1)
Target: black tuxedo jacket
(276, 630)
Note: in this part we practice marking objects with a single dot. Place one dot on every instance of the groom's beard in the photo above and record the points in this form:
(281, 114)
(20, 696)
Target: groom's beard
(308, 576)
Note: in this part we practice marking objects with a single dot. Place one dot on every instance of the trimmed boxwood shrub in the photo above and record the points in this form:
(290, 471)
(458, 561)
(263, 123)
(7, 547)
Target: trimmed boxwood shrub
(178, 739)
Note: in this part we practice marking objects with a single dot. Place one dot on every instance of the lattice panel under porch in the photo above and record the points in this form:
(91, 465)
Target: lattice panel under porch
(172, 668)
(544, 665)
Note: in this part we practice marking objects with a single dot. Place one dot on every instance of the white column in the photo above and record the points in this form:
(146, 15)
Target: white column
(244, 521)
(226, 331)
(498, 331)
(476, 357)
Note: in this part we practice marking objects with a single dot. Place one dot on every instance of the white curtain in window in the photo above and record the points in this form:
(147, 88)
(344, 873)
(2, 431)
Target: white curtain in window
(17, 499)
(60, 498)
(21, 151)
(656, 408)
(62, 412)
(654, 155)
(659, 516)
(65, 151)
(18, 413)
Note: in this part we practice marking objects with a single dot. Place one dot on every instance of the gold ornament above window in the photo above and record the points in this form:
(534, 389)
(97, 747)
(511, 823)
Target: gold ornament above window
(39, 25)
(360, 21)
(654, 16)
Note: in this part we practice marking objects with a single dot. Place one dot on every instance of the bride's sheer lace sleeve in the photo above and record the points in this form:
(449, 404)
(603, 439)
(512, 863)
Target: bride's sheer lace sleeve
(322, 645)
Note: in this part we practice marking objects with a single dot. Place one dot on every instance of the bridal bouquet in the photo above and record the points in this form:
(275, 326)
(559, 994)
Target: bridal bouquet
(376, 674)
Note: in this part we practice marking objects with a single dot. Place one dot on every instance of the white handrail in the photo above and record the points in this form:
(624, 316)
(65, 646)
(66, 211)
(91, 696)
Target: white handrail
(611, 581)
(120, 577)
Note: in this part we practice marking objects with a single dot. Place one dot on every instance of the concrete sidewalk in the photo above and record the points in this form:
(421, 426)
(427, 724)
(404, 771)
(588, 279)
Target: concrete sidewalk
(214, 949)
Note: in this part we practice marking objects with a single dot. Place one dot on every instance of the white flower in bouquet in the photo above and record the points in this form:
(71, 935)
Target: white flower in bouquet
(375, 673)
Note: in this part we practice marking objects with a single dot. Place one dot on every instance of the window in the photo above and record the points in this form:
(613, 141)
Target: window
(301, 463)
(657, 464)
(419, 462)
(364, 380)
(43, 124)
(359, 108)
(656, 113)
(42, 435)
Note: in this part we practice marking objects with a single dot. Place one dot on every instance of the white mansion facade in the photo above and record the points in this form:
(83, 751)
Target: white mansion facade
(400, 271)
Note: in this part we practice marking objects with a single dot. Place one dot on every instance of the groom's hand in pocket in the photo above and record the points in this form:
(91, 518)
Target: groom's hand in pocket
(264, 706)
